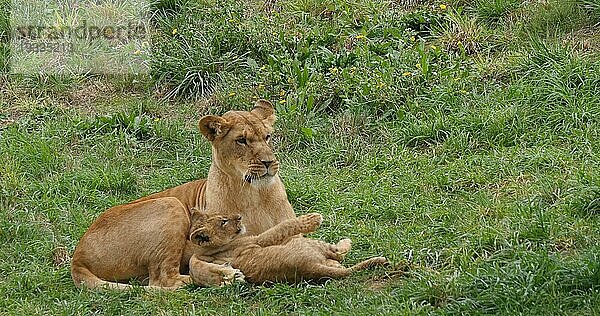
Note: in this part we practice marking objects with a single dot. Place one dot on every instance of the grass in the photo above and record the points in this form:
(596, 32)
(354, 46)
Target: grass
(461, 142)
(4, 35)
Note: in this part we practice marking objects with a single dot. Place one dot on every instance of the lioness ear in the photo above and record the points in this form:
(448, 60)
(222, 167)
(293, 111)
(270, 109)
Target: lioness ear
(199, 236)
(212, 126)
(265, 111)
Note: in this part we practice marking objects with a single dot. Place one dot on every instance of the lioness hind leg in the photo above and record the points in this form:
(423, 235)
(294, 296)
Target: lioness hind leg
(83, 277)
(172, 283)
(166, 275)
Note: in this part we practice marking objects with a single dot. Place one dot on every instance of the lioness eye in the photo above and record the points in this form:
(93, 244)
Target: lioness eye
(241, 141)
(223, 222)
(268, 137)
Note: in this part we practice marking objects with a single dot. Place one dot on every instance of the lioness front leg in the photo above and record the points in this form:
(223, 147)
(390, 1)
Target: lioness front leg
(210, 274)
(281, 232)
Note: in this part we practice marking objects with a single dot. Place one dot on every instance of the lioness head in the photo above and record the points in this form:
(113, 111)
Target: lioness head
(215, 230)
(241, 143)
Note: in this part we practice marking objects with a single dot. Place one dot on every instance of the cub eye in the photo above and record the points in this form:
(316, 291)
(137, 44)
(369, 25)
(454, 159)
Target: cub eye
(241, 141)
(268, 138)
(223, 222)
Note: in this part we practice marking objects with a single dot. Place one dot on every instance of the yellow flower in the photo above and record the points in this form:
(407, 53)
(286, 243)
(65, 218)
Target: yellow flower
(231, 20)
(352, 70)
(137, 52)
(433, 47)
(261, 86)
(443, 6)
(381, 85)
(418, 65)
(360, 36)
(282, 93)
(333, 70)
(463, 91)
(407, 73)
(231, 94)
(174, 31)
(157, 119)
(263, 67)
(412, 38)
(281, 101)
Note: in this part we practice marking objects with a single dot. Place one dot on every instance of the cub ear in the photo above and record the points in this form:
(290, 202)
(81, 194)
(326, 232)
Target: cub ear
(265, 111)
(199, 236)
(198, 216)
(212, 126)
(198, 219)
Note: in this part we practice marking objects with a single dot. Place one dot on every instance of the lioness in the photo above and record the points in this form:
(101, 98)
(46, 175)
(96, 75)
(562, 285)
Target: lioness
(276, 255)
(148, 237)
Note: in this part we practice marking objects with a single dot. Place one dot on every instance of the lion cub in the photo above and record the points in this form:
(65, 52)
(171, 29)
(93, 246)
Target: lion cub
(275, 255)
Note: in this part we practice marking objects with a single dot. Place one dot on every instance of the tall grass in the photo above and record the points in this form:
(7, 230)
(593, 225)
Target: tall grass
(4, 35)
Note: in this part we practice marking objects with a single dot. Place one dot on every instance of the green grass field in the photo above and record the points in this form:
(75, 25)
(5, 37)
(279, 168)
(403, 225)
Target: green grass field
(459, 139)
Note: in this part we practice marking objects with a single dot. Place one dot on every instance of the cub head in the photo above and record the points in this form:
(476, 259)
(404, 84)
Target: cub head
(215, 230)
(241, 143)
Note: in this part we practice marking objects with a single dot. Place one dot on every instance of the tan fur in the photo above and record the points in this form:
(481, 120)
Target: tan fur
(147, 239)
(238, 182)
(143, 240)
(277, 255)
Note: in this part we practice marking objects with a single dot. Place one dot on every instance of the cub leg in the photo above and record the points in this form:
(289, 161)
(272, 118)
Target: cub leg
(343, 247)
(375, 261)
(289, 228)
(338, 251)
(325, 271)
(335, 252)
(333, 263)
(329, 271)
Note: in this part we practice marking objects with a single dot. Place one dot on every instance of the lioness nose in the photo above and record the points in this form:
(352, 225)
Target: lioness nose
(267, 163)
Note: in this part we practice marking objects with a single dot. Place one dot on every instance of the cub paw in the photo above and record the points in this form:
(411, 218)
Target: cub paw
(343, 247)
(310, 222)
(380, 261)
(230, 275)
(210, 274)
